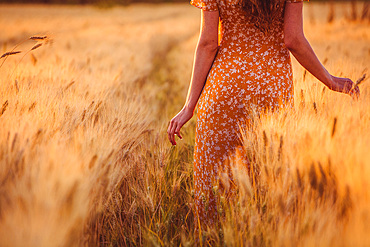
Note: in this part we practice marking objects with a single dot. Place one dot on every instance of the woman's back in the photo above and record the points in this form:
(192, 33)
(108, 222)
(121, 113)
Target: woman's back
(255, 63)
(237, 25)
(251, 70)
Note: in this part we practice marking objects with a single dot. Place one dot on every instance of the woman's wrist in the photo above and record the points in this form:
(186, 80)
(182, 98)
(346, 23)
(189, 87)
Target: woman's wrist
(188, 109)
(329, 81)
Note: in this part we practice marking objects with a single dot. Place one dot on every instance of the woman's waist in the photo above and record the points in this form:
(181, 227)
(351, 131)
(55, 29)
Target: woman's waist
(232, 41)
(240, 53)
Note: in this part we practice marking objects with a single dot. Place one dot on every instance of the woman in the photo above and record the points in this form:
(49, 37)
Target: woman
(249, 69)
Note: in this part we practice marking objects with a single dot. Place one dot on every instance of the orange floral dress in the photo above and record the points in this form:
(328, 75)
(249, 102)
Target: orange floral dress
(252, 70)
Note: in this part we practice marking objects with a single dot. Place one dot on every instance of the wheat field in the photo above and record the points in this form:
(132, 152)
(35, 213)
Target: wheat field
(84, 155)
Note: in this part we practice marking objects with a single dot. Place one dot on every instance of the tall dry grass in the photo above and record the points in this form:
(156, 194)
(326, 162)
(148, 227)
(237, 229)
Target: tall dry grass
(84, 158)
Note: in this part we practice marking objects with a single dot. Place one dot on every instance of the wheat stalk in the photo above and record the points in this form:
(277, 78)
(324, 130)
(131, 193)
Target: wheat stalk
(334, 127)
(331, 15)
(16, 85)
(315, 107)
(3, 108)
(365, 11)
(356, 84)
(313, 176)
(93, 161)
(10, 53)
(36, 46)
(14, 142)
(38, 38)
(359, 81)
(7, 54)
(32, 106)
(353, 10)
(280, 147)
(69, 85)
(302, 99)
(44, 39)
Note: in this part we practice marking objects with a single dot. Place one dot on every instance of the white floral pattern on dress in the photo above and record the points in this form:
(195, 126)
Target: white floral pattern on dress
(251, 70)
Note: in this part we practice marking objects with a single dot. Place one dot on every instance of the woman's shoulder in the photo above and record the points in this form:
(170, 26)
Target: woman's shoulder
(208, 5)
(296, 1)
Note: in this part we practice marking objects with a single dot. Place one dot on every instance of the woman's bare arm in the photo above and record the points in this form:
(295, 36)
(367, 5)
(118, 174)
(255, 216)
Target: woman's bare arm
(204, 55)
(298, 45)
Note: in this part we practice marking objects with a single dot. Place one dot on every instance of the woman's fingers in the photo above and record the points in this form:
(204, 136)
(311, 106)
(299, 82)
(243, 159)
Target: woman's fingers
(352, 89)
(349, 85)
(176, 124)
(355, 92)
(171, 131)
(346, 85)
(174, 128)
(177, 131)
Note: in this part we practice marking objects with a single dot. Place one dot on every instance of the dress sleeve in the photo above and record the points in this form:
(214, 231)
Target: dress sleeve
(208, 5)
(296, 1)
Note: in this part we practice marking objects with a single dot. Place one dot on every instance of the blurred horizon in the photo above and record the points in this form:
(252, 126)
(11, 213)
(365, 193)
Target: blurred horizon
(124, 2)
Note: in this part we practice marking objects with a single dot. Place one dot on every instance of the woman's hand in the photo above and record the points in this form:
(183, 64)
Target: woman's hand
(344, 85)
(205, 53)
(177, 122)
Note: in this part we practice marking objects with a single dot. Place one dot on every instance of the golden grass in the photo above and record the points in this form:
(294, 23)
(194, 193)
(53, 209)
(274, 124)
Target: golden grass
(84, 157)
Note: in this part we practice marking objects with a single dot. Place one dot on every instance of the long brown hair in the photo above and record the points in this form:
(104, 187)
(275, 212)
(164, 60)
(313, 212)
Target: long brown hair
(264, 13)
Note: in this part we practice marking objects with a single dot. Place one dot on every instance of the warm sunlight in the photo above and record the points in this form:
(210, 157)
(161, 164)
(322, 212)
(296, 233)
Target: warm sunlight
(87, 90)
